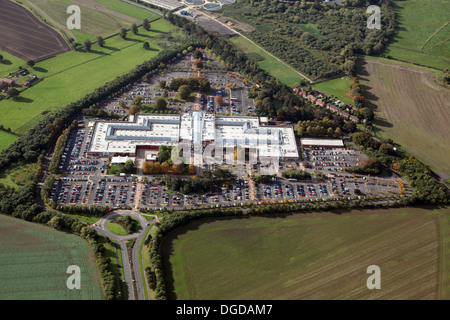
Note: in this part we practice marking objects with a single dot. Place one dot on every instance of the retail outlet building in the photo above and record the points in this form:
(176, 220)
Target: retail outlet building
(198, 129)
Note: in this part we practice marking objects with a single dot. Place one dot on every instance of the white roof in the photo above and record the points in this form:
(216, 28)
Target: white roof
(322, 142)
(121, 159)
(197, 127)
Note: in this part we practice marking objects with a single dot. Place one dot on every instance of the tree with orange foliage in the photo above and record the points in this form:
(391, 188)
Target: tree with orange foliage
(218, 100)
(178, 169)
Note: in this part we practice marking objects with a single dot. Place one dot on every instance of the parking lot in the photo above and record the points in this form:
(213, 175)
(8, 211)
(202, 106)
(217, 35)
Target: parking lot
(84, 182)
(235, 98)
(330, 159)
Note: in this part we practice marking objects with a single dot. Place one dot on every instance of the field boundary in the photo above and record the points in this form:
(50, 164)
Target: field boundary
(435, 33)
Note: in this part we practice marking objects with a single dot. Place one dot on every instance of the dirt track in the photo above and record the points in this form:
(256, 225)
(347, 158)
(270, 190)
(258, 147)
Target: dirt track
(25, 36)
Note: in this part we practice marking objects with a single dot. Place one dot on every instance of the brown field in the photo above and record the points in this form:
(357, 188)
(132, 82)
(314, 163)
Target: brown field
(410, 108)
(25, 36)
(311, 256)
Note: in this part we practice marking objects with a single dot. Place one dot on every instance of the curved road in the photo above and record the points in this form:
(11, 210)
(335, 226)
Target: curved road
(130, 258)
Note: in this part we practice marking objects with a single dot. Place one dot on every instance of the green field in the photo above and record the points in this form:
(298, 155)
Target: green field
(9, 64)
(19, 176)
(6, 139)
(34, 260)
(338, 87)
(82, 72)
(420, 38)
(311, 256)
(268, 63)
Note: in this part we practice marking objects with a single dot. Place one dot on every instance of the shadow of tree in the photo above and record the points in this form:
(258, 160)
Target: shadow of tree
(23, 99)
(40, 69)
(111, 48)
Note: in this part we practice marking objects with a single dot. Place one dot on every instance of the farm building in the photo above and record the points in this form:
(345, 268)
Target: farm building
(5, 82)
(147, 132)
(30, 80)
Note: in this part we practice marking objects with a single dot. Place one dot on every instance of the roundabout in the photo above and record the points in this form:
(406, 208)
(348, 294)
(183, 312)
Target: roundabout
(133, 282)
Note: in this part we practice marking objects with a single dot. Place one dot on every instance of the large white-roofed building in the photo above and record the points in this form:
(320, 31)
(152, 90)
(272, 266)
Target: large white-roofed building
(149, 131)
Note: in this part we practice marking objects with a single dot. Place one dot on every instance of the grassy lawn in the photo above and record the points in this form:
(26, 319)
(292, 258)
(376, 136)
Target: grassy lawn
(309, 27)
(34, 259)
(84, 218)
(116, 264)
(115, 170)
(118, 226)
(19, 176)
(144, 261)
(82, 72)
(419, 39)
(267, 62)
(338, 87)
(9, 64)
(309, 256)
(6, 139)
(117, 229)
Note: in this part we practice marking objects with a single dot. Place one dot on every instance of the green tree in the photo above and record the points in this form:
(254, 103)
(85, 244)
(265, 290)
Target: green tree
(367, 114)
(137, 101)
(87, 45)
(198, 54)
(100, 41)
(129, 166)
(146, 24)
(134, 28)
(164, 154)
(184, 91)
(30, 63)
(123, 33)
(12, 93)
(146, 45)
(160, 104)
(134, 109)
